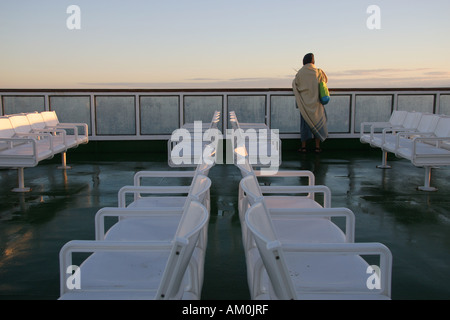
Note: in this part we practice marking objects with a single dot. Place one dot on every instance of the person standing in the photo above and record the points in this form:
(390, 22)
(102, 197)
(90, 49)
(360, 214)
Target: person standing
(313, 118)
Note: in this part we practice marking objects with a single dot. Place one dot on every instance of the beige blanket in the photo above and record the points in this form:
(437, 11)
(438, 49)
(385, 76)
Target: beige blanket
(306, 90)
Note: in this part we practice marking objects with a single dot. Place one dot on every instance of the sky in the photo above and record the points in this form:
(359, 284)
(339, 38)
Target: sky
(138, 44)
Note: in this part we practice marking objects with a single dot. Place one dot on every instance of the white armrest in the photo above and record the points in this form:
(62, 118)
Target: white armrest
(25, 140)
(289, 173)
(436, 140)
(128, 212)
(137, 190)
(373, 125)
(321, 213)
(311, 190)
(161, 174)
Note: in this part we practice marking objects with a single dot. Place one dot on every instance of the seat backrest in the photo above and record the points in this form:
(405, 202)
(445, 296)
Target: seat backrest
(194, 218)
(204, 167)
(209, 156)
(215, 120)
(442, 131)
(199, 188)
(6, 128)
(260, 225)
(443, 127)
(36, 120)
(240, 153)
(412, 120)
(50, 118)
(20, 123)
(213, 131)
(6, 132)
(244, 166)
(428, 122)
(251, 188)
(398, 117)
(233, 120)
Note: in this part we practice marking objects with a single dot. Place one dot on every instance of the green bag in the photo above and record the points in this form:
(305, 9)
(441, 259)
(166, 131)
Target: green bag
(324, 94)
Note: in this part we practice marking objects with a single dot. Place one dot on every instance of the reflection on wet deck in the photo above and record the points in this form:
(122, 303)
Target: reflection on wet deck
(61, 207)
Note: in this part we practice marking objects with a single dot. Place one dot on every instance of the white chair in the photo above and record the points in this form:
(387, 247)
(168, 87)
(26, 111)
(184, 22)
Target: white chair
(395, 121)
(253, 125)
(162, 198)
(190, 126)
(286, 197)
(156, 220)
(425, 128)
(246, 169)
(74, 133)
(175, 195)
(302, 220)
(256, 142)
(130, 228)
(315, 226)
(61, 141)
(389, 134)
(21, 151)
(299, 270)
(428, 151)
(194, 142)
(423, 138)
(135, 269)
(38, 124)
(23, 128)
(77, 131)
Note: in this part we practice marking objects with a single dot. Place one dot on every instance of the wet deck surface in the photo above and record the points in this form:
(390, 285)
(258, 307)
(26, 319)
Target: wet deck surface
(414, 225)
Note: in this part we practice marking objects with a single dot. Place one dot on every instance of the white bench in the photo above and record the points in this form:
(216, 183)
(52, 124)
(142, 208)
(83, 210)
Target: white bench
(23, 127)
(77, 133)
(158, 220)
(427, 150)
(295, 213)
(155, 214)
(257, 142)
(152, 269)
(187, 145)
(278, 218)
(423, 139)
(376, 140)
(22, 150)
(396, 121)
(28, 138)
(426, 127)
(317, 270)
(294, 217)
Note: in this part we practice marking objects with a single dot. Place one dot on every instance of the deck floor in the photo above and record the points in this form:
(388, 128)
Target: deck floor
(415, 225)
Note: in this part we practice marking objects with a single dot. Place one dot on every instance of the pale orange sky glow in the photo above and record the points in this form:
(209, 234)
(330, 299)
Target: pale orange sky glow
(221, 44)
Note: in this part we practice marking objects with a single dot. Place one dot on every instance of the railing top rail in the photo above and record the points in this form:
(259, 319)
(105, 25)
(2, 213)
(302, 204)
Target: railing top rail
(225, 90)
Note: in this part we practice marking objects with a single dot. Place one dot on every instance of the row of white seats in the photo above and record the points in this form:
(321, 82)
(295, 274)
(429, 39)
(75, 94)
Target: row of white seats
(185, 148)
(28, 138)
(293, 248)
(261, 143)
(422, 138)
(157, 247)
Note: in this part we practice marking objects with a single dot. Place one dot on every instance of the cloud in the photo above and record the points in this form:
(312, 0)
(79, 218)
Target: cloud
(352, 78)
(203, 79)
(389, 78)
(374, 72)
(256, 82)
(438, 73)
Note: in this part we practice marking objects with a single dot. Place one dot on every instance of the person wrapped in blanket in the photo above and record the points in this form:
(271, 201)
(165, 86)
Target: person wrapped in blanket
(313, 118)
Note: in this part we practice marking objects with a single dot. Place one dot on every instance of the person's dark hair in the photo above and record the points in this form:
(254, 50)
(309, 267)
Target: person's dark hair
(308, 58)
